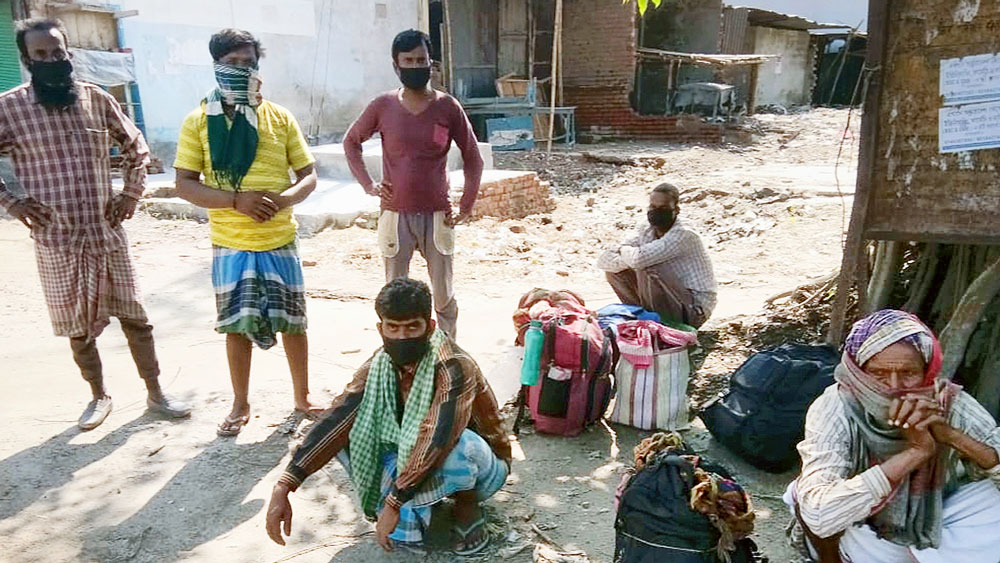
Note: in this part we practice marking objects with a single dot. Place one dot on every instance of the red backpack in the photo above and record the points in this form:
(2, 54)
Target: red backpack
(575, 386)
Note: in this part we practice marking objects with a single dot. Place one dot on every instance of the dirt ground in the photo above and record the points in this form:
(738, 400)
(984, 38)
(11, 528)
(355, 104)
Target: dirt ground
(140, 488)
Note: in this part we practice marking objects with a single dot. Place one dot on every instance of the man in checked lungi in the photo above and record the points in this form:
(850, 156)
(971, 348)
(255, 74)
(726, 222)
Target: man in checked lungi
(418, 423)
(59, 132)
(233, 158)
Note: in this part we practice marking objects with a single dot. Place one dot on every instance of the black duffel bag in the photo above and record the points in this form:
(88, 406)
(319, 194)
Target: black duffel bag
(763, 415)
(655, 522)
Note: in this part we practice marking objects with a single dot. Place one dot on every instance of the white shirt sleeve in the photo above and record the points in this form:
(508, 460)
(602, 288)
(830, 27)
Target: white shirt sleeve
(830, 499)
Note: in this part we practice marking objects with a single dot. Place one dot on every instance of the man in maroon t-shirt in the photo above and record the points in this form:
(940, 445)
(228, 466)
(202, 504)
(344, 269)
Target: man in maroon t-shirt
(417, 125)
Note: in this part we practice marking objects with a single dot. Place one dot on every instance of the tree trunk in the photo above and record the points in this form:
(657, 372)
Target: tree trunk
(888, 256)
(964, 320)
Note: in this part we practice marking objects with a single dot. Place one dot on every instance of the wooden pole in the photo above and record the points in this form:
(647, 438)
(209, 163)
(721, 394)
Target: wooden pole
(854, 255)
(556, 56)
(531, 40)
(448, 49)
(840, 68)
(562, 101)
(638, 66)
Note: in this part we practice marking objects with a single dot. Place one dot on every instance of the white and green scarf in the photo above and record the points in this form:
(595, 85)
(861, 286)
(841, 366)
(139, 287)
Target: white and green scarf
(376, 428)
(233, 147)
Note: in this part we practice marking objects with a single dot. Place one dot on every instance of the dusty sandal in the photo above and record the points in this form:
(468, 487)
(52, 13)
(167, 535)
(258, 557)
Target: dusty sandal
(463, 545)
(232, 426)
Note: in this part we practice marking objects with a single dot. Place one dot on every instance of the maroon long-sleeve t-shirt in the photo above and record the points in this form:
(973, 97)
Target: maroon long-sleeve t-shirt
(415, 152)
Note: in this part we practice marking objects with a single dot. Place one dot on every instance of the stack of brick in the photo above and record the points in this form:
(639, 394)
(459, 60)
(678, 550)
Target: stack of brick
(511, 195)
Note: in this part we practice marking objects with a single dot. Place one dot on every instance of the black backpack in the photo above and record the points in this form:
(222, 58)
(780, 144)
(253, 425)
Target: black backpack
(655, 522)
(762, 418)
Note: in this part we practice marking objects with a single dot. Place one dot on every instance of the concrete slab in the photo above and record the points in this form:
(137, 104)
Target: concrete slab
(334, 205)
(331, 161)
(338, 201)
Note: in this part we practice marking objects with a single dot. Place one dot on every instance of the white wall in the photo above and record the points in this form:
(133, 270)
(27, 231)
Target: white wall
(847, 12)
(324, 59)
(788, 81)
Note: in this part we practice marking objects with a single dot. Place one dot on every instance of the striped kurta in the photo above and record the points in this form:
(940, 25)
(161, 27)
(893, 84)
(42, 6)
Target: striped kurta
(833, 495)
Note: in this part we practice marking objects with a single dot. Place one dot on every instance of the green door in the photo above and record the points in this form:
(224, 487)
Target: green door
(10, 67)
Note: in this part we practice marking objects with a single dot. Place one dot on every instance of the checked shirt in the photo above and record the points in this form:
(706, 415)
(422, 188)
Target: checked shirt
(61, 158)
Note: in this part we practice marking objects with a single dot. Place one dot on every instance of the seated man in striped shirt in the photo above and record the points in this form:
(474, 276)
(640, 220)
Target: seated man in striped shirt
(664, 268)
(897, 464)
(417, 424)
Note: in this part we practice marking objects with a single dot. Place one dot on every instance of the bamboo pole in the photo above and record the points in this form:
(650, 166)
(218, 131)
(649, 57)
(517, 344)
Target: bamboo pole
(531, 41)
(556, 56)
(878, 16)
(562, 100)
(448, 48)
(840, 68)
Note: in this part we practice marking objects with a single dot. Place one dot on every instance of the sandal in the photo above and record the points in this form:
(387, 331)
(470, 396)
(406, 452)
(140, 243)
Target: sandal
(462, 545)
(413, 548)
(232, 426)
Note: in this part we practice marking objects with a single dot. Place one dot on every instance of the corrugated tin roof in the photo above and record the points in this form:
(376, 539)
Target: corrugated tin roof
(767, 18)
(705, 59)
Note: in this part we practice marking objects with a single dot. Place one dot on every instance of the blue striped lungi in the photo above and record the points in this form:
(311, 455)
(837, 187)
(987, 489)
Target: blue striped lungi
(259, 294)
(471, 465)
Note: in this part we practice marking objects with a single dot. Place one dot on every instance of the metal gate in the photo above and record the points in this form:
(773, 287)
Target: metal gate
(10, 67)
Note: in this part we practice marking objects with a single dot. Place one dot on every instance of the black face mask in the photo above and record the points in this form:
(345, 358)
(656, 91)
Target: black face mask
(415, 78)
(406, 351)
(660, 218)
(53, 83)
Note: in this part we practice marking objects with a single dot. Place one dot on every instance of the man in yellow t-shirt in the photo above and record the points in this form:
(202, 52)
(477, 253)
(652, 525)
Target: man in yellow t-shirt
(234, 155)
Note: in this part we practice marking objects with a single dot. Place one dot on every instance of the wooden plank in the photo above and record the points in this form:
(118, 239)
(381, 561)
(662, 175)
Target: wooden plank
(513, 37)
(854, 256)
(919, 192)
(474, 27)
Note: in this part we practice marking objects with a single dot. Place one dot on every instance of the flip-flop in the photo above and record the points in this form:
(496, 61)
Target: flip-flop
(232, 427)
(463, 535)
(413, 548)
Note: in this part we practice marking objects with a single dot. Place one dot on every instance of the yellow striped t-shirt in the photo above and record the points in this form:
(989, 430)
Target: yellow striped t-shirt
(280, 149)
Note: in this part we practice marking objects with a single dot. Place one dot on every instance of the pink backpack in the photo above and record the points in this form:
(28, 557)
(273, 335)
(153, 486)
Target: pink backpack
(575, 386)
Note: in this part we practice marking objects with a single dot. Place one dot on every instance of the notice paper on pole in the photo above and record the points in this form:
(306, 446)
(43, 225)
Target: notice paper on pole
(971, 79)
(969, 128)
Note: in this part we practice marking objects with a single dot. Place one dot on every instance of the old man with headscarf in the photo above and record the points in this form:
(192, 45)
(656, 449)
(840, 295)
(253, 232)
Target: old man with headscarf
(897, 464)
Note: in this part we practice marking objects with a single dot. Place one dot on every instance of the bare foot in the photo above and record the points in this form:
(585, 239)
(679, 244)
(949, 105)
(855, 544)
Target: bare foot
(235, 421)
(310, 407)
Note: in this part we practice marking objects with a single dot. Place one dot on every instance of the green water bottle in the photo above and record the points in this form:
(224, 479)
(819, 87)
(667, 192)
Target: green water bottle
(534, 341)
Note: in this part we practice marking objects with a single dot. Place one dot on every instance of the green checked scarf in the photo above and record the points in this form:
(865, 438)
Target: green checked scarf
(376, 430)
(233, 147)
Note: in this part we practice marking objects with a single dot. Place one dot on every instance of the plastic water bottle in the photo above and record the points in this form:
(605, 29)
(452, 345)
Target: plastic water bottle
(534, 341)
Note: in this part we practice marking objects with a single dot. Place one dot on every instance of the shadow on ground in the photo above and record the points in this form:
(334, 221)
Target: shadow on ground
(205, 498)
(30, 474)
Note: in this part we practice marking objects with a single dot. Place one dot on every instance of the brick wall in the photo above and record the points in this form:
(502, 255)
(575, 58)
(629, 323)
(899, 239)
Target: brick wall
(513, 196)
(599, 39)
